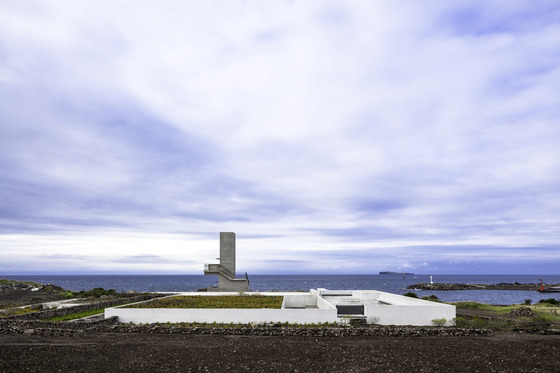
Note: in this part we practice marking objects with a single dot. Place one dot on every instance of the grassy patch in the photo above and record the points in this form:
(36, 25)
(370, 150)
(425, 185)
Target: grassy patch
(78, 315)
(475, 305)
(17, 311)
(484, 323)
(482, 306)
(549, 312)
(496, 317)
(217, 301)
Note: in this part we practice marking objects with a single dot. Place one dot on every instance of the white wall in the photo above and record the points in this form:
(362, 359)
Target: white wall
(222, 315)
(408, 314)
(299, 300)
(401, 311)
(324, 305)
(395, 309)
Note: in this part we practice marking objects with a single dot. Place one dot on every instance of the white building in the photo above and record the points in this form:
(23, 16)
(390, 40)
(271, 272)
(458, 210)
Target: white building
(316, 306)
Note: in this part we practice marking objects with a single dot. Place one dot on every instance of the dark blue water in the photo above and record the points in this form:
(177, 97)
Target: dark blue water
(392, 284)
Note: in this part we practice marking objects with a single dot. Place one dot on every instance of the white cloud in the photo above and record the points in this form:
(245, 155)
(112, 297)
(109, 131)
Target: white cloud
(324, 125)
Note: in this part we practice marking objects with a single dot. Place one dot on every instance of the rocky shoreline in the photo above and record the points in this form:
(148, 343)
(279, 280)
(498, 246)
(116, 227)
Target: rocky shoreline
(501, 286)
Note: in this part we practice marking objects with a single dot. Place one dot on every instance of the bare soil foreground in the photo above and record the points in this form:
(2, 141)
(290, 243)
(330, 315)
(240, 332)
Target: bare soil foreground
(139, 352)
(524, 339)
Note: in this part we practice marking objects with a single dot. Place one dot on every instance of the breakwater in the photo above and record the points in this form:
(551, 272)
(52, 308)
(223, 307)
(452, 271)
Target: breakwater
(501, 286)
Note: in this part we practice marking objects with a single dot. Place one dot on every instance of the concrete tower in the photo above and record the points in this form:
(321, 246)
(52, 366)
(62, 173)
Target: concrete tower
(226, 269)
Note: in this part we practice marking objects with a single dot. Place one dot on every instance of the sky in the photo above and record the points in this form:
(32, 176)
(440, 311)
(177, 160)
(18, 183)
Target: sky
(333, 137)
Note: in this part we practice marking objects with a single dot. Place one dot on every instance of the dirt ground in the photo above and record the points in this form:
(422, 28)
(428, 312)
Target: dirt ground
(141, 352)
(104, 352)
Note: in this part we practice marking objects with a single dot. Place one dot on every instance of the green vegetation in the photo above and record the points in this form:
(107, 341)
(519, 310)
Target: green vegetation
(543, 307)
(504, 325)
(550, 301)
(484, 323)
(439, 322)
(17, 311)
(218, 301)
(487, 307)
(497, 318)
(410, 294)
(469, 305)
(77, 315)
(431, 298)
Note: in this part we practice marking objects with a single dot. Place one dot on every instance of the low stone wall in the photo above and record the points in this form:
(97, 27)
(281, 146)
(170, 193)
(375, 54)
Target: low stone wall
(47, 314)
(400, 331)
(52, 328)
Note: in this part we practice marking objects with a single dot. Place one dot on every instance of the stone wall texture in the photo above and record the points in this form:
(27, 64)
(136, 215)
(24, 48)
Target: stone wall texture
(77, 328)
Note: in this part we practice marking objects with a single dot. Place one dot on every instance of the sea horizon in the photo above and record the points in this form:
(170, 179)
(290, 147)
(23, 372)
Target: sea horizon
(270, 274)
(396, 284)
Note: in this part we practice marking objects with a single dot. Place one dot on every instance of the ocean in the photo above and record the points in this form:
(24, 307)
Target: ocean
(389, 283)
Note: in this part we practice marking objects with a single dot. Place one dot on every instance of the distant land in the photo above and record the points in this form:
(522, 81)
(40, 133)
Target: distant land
(396, 273)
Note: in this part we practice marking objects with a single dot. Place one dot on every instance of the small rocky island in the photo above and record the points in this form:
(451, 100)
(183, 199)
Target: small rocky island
(501, 286)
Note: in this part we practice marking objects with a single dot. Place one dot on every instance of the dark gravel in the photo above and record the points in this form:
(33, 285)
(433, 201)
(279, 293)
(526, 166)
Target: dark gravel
(139, 352)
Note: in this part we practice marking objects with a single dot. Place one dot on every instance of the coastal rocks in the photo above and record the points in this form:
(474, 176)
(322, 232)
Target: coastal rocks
(522, 312)
(14, 286)
(500, 286)
(439, 286)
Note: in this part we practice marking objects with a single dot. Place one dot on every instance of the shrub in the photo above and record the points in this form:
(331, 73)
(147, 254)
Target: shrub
(97, 292)
(528, 302)
(431, 297)
(410, 294)
(439, 322)
(469, 305)
(550, 301)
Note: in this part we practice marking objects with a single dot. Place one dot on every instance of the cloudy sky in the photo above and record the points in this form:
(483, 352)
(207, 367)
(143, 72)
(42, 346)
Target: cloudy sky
(331, 136)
